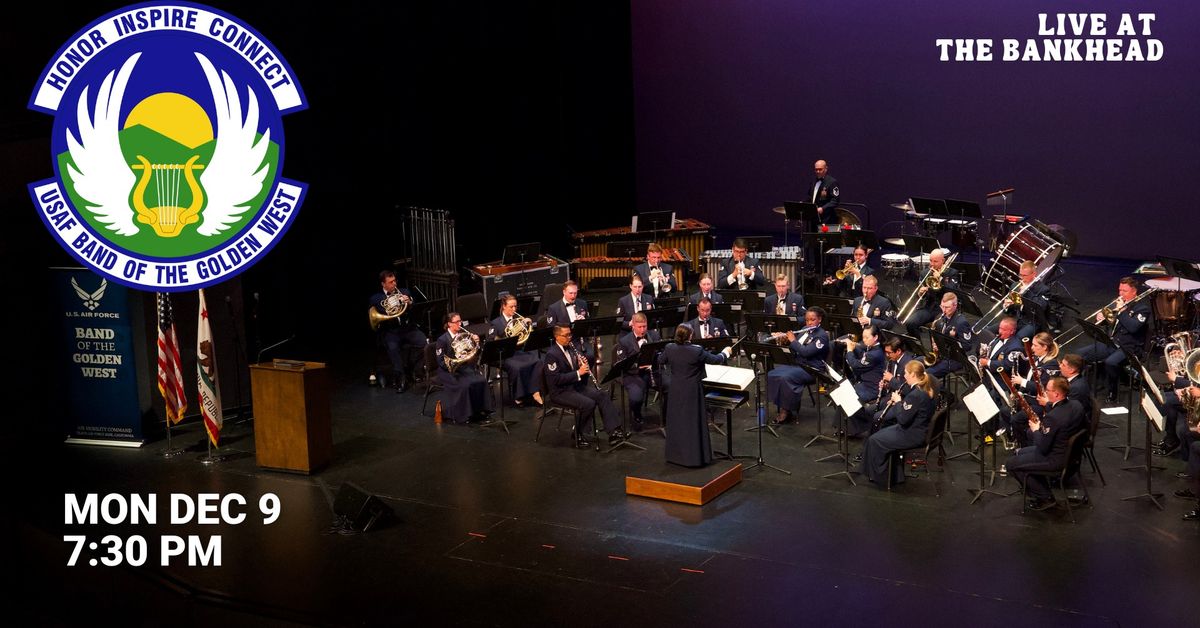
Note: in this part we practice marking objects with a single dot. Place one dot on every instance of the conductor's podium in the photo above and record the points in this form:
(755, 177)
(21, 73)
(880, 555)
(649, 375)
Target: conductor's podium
(292, 429)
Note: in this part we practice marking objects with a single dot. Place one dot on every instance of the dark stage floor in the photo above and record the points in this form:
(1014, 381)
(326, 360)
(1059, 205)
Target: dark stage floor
(494, 529)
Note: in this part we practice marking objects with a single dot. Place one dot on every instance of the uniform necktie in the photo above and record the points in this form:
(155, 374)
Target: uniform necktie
(704, 329)
(779, 306)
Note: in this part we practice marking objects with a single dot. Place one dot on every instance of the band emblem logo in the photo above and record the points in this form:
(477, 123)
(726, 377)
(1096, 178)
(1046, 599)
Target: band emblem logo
(167, 146)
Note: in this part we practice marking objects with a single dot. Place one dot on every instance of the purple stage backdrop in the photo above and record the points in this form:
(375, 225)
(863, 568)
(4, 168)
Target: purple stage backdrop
(734, 101)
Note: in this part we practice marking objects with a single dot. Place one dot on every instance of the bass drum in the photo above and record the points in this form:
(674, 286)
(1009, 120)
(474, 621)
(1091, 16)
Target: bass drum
(1026, 243)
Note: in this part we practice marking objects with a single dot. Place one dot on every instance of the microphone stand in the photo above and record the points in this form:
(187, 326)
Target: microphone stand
(761, 415)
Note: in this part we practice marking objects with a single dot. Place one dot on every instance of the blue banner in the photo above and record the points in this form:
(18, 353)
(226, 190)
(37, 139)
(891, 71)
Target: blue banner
(96, 357)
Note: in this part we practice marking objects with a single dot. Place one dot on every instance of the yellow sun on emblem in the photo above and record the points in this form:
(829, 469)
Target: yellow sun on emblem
(174, 115)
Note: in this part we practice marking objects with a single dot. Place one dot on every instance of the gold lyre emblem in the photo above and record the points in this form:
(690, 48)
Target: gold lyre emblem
(167, 218)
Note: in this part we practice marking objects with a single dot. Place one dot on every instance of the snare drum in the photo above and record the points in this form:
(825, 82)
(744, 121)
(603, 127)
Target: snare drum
(894, 263)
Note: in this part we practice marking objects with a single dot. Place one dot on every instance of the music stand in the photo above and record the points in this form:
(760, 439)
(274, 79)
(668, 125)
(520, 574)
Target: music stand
(842, 324)
(768, 355)
(843, 450)
(948, 349)
(429, 311)
(658, 318)
(1146, 386)
(750, 300)
(757, 322)
(539, 339)
(1179, 268)
(653, 221)
(815, 241)
(621, 250)
(920, 245)
(908, 343)
(800, 213)
(669, 302)
(758, 244)
(831, 304)
(495, 352)
(823, 380)
(966, 302)
(615, 371)
(518, 253)
(594, 329)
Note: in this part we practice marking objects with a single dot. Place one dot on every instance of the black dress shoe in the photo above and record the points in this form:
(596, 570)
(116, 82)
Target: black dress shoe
(1183, 475)
(1037, 503)
(401, 386)
(1192, 516)
(1185, 493)
(1111, 398)
(858, 457)
(582, 443)
(1166, 450)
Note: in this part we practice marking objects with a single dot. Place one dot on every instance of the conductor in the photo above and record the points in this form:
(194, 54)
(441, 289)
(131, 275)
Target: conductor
(683, 373)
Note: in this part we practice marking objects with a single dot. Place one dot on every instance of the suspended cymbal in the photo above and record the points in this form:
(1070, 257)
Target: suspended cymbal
(894, 241)
(904, 206)
(779, 210)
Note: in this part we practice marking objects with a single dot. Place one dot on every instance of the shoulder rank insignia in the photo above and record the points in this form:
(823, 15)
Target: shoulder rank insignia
(553, 366)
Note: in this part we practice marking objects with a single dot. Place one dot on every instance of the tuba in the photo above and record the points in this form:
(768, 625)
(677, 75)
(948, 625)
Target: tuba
(466, 348)
(520, 327)
(393, 306)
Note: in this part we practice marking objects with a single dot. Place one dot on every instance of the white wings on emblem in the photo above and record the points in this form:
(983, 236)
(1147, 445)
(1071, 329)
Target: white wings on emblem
(94, 296)
(100, 174)
(236, 172)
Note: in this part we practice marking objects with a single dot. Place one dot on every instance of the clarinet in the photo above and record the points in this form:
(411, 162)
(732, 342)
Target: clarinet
(878, 424)
(582, 359)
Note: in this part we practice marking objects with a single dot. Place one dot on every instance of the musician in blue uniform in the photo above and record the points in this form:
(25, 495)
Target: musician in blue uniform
(633, 302)
(521, 368)
(851, 284)
(952, 323)
(872, 308)
(637, 381)
(740, 271)
(913, 408)
(1030, 313)
(706, 291)
(705, 325)
(825, 193)
(1129, 335)
(465, 390)
(786, 382)
(568, 310)
(1049, 435)
(1006, 354)
(657, 275)
(683, 363)
(569, 378)
(784, 302)
(866, 360)
(1175, 431)
(399, 336)
(930, 299)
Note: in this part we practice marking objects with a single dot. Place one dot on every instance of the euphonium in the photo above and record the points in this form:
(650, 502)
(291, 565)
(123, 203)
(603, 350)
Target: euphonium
(1176, 351)
(520, 327)
(393, 305)
(465, 346)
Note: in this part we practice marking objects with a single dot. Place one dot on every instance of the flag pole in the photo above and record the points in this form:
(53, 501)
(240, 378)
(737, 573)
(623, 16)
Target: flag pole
(170, 451)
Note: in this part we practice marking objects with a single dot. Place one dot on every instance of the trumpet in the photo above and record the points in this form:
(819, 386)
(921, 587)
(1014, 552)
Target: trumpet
(848, 269)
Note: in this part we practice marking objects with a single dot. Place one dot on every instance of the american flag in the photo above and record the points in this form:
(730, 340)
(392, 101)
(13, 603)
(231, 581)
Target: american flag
(170, 375)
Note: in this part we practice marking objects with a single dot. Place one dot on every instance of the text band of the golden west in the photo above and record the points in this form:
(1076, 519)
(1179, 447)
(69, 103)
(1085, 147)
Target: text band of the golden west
(934, 321)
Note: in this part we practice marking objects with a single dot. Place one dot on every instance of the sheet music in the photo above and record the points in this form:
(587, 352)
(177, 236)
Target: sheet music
(1153, 387)
(732, 377)
(981, 404)
(846, 397)
(836, 376)
(1152, 412)
(1115, 411)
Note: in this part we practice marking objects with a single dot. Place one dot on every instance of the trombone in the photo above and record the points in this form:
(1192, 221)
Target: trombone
(991, 315)
(1110, 311)
(931, 280)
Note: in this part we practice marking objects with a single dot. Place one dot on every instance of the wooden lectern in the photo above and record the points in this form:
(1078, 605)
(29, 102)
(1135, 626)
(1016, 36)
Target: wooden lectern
(292, 428)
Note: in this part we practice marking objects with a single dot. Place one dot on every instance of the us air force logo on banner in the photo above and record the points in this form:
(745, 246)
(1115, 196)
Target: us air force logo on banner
(91, 300)
(167, 146)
